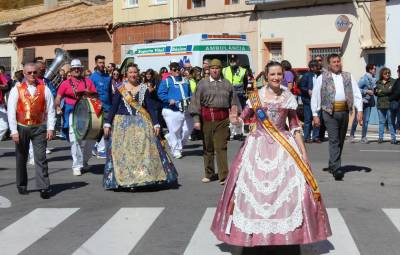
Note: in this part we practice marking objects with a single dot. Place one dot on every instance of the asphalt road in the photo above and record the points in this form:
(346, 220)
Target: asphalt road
(83, 218)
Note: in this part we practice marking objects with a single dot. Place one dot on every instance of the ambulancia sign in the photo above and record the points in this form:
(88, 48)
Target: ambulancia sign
(342, 23)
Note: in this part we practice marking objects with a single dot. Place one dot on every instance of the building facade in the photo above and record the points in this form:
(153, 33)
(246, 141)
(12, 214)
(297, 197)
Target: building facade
(299, 33)
(393, 36)
(141, 21)
(81, 28)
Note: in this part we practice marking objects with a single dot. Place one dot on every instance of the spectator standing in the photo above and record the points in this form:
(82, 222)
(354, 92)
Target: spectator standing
(383, 90)
(367, 86)
(288, 75)
(394, 99)
(306, 87)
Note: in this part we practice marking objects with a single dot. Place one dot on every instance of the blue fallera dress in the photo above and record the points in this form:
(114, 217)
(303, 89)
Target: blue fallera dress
(135, 156)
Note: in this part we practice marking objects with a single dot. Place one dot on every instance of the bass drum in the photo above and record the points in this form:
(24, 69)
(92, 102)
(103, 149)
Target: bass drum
(87, 119)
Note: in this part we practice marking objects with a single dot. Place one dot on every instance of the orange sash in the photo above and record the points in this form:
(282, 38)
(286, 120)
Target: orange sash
(132, 102)
(281, 139)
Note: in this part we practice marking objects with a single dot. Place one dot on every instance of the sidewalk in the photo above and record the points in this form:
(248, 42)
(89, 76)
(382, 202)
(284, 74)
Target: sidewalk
(373, 133)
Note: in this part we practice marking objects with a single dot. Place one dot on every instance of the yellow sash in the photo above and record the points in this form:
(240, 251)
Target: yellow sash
(281, 139)
(132, 102)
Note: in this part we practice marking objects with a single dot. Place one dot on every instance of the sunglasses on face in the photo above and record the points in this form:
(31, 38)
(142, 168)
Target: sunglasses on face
(174, 70)
(31, 72)
(76, 69)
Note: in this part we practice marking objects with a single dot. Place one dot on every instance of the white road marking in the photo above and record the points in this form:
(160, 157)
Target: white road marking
(340, 243)
(4, 202)
(30, 228)
(204, 242)
(396, 151)
(394, 216)
(120, 234)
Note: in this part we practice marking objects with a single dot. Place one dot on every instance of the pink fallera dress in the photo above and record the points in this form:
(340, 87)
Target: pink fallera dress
(272, 203)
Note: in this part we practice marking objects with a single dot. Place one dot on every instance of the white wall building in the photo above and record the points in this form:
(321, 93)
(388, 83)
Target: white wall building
(393, 35)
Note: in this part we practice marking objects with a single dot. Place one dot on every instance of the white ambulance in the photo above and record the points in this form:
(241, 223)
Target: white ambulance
(193, 48)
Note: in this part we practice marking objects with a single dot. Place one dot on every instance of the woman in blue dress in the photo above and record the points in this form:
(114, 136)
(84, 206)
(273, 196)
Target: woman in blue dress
(135, 156)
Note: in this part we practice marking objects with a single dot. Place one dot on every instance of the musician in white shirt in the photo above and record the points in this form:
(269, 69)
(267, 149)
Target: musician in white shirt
(31, 117)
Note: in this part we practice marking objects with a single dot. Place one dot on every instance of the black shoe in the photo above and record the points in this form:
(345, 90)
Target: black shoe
(380, 140)
(327, 169)
(23, 191)
(338, 175)
(394, 142)
(308, 141)
(45, 193)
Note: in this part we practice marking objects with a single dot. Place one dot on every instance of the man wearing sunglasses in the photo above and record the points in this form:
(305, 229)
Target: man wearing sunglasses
(29, 105)
(68, 90)
(175, 94)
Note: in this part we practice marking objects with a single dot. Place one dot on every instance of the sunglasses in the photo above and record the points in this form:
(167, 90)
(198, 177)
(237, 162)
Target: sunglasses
(31, 72)
(174, 70)
(77, 69)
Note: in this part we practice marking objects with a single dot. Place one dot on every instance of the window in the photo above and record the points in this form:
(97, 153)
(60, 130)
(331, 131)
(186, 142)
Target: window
(274, 50)
(228, 2)
(324, 52)
(156, 2)
(198, 3)
(6, 62)
(82, 55)
(131, 3)
(243, 59)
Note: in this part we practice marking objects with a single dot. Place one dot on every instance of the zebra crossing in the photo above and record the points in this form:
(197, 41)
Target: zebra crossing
(122, 232)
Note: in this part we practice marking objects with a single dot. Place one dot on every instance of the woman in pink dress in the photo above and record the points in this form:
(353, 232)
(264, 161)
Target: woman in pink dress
(267, 199)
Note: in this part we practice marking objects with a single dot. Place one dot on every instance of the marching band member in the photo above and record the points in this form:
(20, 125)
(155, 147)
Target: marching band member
(29, 105)
(3, 111)
(102, 82)
(175, 94)
(68, 90)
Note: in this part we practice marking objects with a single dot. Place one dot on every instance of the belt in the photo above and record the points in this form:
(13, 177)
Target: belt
(340, 106)
(214, 114)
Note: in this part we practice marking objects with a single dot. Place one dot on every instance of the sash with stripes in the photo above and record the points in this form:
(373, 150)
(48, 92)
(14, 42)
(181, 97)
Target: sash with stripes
(133, 102)
(274, 132)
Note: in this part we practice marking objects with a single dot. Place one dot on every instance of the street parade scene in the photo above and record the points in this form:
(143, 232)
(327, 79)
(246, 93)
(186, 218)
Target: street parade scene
(199, 127)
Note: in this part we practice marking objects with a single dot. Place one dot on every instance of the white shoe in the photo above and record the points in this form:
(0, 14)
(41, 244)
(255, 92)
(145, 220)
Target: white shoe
(31, 161)
(48, 151)
(178, 155)
(76, 172)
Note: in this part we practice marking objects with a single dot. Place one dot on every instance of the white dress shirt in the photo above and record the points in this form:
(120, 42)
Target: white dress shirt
(339, 96)
(12, 108)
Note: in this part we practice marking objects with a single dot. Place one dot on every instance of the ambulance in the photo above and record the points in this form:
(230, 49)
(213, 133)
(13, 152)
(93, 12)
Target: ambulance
(193, 48)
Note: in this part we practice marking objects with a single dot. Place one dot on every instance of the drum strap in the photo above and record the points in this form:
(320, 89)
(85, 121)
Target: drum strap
(133, 102)
(74, 87)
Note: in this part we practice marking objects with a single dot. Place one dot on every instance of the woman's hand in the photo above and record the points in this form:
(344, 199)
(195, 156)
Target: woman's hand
(107, 132)
(156, 130)
(306, 160)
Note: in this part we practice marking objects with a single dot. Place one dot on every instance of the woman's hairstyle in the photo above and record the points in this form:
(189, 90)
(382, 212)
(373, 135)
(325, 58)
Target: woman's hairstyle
(286, 65)
(382, 71)
(133, 65)
(272, 64)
